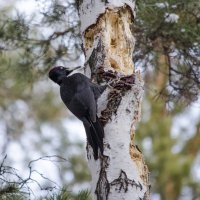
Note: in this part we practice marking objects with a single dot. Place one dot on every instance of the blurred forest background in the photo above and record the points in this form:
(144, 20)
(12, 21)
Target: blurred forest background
(43, 146)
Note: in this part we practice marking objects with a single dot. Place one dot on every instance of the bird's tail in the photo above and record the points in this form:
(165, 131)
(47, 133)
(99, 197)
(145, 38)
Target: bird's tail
(95, 135)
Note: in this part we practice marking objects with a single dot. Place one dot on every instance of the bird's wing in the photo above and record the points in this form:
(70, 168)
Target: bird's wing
(95, 135)
(97, 89)
(83, 104)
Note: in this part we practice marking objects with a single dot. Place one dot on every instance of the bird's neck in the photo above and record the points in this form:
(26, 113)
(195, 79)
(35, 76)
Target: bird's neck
(61, 79)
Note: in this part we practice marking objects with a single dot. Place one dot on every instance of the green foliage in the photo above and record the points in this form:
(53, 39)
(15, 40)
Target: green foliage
(170, 48)
(83, 195)
(79, 169)
(171, 28)
(170, 171)
(39, 48)
(29, 47)
(11, 192)
(62, 195)
(66, 195)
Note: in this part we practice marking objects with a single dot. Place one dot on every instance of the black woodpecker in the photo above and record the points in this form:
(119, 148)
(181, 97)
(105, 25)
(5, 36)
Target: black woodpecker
(80, 96)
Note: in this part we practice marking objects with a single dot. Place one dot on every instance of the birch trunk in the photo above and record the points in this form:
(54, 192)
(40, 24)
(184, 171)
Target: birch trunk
(108, 44)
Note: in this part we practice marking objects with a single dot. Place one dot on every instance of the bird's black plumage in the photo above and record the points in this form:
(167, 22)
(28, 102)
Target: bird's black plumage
(80, 96)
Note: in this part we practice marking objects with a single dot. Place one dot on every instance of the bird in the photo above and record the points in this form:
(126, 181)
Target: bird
(80, 95)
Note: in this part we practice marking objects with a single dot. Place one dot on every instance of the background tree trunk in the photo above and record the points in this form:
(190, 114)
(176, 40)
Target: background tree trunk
(108, 45)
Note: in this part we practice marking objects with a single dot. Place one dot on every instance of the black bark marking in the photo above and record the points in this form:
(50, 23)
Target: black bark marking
(103, 186)
(128, 111)
(123, 182)
(138, 148)
(108, 146)
(120, 85)
(146, 195)
(87, 150)
(105, 1)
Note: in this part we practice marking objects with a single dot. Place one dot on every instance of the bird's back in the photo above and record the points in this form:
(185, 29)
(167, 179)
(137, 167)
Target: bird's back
(78, 96)
(71, 86)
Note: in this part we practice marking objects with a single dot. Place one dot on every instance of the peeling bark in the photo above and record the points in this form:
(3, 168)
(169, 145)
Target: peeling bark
(120, 173)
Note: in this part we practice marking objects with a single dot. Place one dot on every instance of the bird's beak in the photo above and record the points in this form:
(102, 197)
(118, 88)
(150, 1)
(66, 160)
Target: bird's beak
(77, 67)
(73, 68)
(67, 71)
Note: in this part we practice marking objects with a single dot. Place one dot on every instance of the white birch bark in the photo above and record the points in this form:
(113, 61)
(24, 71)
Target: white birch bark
(108, 44)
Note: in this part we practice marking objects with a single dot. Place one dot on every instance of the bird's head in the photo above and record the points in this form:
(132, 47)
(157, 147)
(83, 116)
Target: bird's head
(57, 74)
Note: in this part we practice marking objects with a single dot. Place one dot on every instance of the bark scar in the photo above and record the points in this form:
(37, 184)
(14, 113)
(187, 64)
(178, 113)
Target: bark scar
(103, 186)
(123, 182)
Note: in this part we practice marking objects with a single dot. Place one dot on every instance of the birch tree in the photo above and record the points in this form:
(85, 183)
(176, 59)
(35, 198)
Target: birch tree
(108, 44)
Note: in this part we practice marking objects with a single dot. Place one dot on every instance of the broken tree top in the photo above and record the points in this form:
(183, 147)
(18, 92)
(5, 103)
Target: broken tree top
(90, 10)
